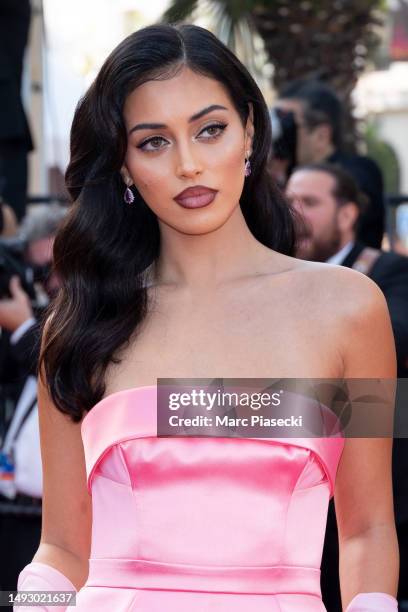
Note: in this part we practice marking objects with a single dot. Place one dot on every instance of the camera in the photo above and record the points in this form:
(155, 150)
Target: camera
(12, 263)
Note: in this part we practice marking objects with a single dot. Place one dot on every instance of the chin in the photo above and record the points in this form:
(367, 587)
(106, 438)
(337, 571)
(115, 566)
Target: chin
(200, 230)
(201, 221)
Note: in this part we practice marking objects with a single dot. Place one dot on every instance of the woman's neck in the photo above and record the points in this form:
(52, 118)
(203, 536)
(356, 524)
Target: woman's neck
(201, 262)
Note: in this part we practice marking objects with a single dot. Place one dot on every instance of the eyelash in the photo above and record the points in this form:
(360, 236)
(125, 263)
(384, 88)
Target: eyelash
(221, 126)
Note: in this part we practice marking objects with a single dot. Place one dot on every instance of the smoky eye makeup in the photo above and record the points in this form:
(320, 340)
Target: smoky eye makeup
(217, 125)
(144, 143)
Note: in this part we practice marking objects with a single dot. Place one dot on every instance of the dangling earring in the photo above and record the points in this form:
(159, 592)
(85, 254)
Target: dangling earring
(128, 195)
(247, 166)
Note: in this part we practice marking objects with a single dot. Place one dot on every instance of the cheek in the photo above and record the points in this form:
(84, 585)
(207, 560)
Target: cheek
(300, 139)
(146, 171)
(323, 223)
(154, 179)
(154, 189)
(314, 222)
(228, 155)
(224, 165)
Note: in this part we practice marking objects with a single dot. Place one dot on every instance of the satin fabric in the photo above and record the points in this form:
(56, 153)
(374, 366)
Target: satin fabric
(38, 576)
(373, 602)
(203, 523)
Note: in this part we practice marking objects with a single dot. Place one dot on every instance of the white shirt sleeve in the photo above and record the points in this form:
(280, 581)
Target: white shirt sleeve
(21, 330)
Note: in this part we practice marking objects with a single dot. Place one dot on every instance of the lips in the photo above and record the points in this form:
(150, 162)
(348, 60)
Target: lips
(196, 197)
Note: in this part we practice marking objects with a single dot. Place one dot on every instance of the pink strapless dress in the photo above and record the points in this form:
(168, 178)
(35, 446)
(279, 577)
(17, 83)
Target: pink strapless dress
(202, 524)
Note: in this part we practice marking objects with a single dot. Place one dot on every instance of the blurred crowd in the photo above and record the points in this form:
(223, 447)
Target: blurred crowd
(342, 221)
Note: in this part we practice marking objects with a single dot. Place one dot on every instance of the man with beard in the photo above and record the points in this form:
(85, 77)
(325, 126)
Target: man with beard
(319, 118)
(329, 205)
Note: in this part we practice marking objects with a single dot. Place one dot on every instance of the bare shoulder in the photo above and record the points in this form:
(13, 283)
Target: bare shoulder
(359, 316)
(341, 308)
(343, 290)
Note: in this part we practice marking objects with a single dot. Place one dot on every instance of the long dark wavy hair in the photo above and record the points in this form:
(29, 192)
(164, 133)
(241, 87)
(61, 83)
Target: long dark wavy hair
(104, 246)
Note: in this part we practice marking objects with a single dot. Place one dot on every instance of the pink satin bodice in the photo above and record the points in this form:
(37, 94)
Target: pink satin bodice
(219, 520)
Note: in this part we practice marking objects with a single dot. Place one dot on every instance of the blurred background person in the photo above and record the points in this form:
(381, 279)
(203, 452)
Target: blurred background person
(8, 221)
(32, 283)
(15, 135)
(314, 134)
(330, 205)
(20, 316)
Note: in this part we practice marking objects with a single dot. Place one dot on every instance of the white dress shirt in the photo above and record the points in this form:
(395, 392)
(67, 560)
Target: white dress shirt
(340, 256)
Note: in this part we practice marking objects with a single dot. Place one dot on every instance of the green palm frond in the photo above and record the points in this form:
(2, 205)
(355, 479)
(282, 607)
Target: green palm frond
(230, 21)
(233, 10)
(180, 10)
(282, 40)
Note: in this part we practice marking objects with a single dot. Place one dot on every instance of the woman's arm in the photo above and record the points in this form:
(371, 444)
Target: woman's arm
(369, 555)
(67, 511)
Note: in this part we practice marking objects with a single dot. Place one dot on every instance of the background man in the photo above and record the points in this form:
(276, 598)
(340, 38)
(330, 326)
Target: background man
(318, 116)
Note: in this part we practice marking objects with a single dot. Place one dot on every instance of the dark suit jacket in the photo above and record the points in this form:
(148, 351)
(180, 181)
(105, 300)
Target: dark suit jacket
(14, 27)
(17, 361)
(368, 177)
(390, 272)
(26, 351)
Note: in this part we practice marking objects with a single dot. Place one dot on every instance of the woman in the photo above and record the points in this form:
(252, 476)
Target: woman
(176, 262)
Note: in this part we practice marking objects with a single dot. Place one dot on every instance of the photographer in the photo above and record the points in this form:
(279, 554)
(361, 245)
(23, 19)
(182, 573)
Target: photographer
(31, 283)
(308, 125)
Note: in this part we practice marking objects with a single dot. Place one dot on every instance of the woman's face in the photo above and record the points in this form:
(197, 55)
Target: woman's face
(198, 140)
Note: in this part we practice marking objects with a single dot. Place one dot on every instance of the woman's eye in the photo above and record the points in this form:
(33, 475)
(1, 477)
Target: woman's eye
(214, 130)
(154, 142)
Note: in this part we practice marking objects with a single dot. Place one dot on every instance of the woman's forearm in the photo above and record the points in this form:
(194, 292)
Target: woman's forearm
(369, 562)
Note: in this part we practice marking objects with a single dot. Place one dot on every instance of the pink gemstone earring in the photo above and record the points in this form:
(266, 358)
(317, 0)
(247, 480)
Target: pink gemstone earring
(247, 167)
(128, 195)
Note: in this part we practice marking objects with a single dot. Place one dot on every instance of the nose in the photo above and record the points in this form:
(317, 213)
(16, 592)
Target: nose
(188, 164)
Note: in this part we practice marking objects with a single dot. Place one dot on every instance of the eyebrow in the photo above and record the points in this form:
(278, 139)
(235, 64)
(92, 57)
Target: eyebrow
(310, 199)
(160, 126)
